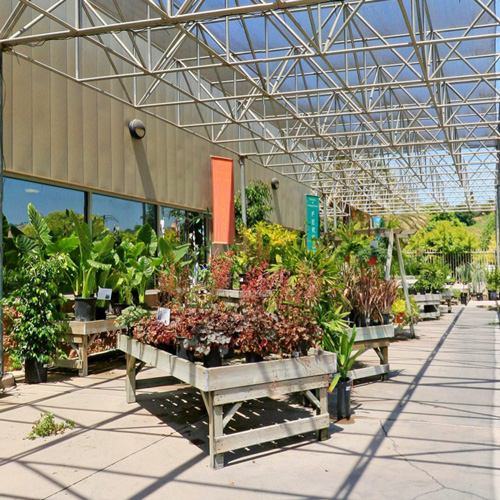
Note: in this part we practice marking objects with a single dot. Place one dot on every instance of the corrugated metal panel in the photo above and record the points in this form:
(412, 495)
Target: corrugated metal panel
(59, 131)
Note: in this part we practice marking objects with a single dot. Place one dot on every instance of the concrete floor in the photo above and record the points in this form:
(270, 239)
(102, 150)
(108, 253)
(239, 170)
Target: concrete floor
(431, 432)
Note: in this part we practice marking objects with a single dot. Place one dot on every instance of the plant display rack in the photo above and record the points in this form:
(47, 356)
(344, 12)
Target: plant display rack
(229, 297)
(233, 385)
(80, 336)
(429, 305)
(376, 338)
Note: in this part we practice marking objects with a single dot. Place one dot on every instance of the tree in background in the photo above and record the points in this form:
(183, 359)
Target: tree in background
(488, 234)
(446, 236)
(259, 204)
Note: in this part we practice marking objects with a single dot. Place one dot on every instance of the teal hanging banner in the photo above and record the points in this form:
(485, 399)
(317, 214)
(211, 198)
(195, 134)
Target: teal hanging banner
(312, 205)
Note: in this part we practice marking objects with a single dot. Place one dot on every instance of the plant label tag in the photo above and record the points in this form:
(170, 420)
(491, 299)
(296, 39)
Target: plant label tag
(164, 315)
(104, 293)
(348, 388)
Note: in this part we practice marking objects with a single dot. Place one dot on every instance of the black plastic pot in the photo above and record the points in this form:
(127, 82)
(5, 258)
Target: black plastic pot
(253, 357)
(386, 317)
(118, 308)
(34, 371)
(492, 295)
(213, 358)
(463, 299)
(344, 398)
(362, 320)
(182, 352)
(479, 296)
(100, 312)
(85, 308)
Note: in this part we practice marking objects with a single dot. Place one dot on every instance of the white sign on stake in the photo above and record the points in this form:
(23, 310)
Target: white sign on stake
(164, 315)
(104, 293)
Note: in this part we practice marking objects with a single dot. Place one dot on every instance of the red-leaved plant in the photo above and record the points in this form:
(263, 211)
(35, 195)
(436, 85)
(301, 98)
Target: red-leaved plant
(221, 269)
(258, 326)
(152, 331)
(296, 300)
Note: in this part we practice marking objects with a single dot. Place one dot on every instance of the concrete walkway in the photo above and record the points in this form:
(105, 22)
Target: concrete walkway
(430, 432)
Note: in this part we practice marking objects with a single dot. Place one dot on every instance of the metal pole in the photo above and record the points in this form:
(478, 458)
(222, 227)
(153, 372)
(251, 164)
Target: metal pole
(497, 215)
(335, 214)
(405, 284)
(325, 213)
(389, 256)
(1, 211)
(243, 194)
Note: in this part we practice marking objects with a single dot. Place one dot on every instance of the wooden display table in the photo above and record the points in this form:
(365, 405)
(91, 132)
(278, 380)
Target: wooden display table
(376, 338)
(429, 305)
(80, 336)
(233, 385)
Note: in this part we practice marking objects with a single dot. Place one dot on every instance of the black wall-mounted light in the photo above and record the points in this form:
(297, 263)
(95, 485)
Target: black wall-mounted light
(137, 129)
(275, 183)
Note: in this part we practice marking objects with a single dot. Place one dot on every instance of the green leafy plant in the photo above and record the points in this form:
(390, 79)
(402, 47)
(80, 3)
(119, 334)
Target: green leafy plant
(432, 278)
(38, 328)
(258, 204)
(351, 242)
(477, 277)
(333, 323)
(130, 316)
(493, 279)
(88, 259)
(399, 307)
(46, 426)
(345, 358)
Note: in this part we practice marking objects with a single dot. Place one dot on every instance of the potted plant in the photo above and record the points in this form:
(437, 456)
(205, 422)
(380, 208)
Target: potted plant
(432, 278)
(87, 261)
(209, 332)
(297, 300)
(478, 279)
(150, 330)
(341, 379)
(130, 316)
(38, 328)
(401, 313)
(387, 293)
(221, 270)
(493, 283)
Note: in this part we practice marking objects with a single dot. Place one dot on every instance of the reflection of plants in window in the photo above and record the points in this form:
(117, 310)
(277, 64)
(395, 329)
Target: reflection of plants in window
(192, 227)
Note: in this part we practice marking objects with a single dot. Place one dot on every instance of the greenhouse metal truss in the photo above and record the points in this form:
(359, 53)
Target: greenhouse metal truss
(388, 106)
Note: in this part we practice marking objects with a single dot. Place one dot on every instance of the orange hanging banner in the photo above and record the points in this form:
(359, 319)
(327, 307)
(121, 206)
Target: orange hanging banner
(223, 201)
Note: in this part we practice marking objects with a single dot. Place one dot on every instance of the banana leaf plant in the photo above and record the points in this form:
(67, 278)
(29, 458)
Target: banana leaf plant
(88, 259)
(345, 358)
(137, 264)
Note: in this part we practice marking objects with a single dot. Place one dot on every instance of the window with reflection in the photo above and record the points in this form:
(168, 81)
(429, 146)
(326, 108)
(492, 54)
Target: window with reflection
(187, 227)
(119, 215)
(52, 202)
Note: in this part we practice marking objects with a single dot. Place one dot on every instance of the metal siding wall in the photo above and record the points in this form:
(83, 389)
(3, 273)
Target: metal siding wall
(57, 130)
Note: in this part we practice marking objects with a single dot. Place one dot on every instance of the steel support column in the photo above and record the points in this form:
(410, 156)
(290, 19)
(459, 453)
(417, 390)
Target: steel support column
(1, 210)
(243, 193)
(497, 213)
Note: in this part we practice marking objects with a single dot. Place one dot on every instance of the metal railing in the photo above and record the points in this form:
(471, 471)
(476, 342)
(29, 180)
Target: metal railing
(485, 258)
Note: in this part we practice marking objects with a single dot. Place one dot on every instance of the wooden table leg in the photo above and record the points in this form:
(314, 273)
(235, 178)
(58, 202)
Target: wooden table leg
(385, 360)
(322, 395)
(216, 429)
(130, 379)
(84, 356)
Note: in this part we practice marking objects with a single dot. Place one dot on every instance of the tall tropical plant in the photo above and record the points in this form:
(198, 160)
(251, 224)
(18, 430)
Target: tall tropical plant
(345, 358)
(88, 259)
